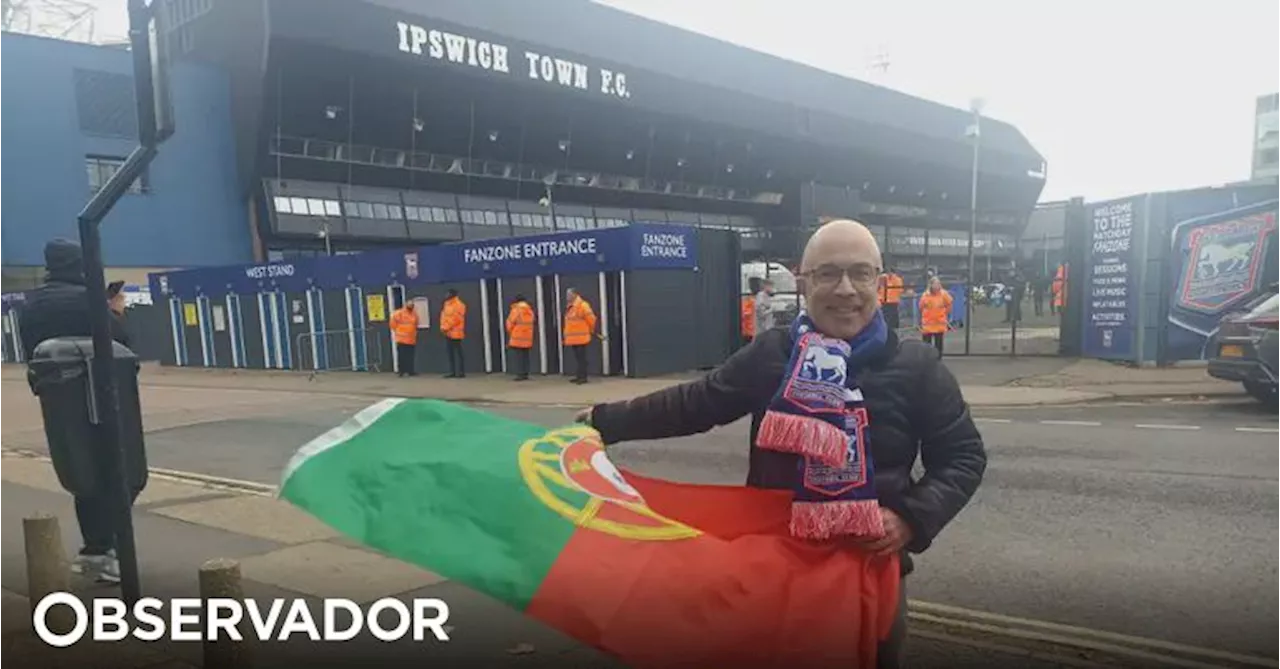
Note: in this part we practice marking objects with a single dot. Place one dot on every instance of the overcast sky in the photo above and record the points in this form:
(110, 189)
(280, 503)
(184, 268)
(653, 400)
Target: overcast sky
(1121, 96)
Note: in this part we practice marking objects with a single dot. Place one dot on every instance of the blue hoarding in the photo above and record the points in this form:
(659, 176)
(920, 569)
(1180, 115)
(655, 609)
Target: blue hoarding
(1110, 292)
(640, 246)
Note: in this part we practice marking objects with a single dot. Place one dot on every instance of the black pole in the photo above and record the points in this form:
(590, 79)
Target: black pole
(102, 367)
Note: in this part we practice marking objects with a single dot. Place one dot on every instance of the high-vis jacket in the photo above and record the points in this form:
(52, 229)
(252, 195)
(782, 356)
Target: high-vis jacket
(1060, 287)
(453, 318)
(748, 316)
(935, 312)
(404, 326)
(579, 323)
(891, 287)
(520, 325)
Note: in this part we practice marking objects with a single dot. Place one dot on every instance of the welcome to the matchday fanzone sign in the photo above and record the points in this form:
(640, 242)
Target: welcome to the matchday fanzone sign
(463, 50)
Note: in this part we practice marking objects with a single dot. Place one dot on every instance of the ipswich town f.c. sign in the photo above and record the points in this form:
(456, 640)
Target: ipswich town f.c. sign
(461, 49)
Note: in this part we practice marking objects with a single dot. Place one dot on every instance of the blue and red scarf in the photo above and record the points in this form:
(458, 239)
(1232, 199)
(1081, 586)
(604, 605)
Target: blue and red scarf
(819, 414)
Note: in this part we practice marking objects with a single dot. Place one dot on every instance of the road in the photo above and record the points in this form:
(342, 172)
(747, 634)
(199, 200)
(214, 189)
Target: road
(1158, 521)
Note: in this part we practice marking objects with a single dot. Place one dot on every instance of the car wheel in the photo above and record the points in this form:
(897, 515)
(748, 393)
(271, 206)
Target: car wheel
(1264, 393)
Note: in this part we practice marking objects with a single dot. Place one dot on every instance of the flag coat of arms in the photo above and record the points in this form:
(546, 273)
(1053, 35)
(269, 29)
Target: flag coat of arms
(657, 573)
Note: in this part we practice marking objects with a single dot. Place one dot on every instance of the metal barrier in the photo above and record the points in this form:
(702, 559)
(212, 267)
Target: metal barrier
(340, 351)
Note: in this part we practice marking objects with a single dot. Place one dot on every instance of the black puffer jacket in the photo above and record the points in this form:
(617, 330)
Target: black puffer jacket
(914, 407)
(60, 307)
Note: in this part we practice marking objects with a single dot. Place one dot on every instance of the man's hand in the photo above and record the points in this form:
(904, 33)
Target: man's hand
(896, 535)
(583, 417)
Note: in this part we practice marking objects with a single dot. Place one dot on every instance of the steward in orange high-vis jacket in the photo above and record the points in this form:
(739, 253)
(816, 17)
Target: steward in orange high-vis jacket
(579, 328)
(935, 313)
(891, 287)
(453, 325)
(404, 332)
(748, 318)
(520, 323)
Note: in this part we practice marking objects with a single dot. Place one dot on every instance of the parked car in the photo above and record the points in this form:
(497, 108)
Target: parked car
(1247, 346)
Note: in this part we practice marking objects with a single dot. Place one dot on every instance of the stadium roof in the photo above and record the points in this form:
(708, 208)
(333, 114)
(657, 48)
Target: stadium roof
(670, 70)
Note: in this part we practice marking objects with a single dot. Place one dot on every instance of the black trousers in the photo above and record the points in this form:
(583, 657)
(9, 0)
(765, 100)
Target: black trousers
(97, 523)
(890, 315)
(579, 362)
(457, 362)
(935, 338)
(406, 356)
(522, 362)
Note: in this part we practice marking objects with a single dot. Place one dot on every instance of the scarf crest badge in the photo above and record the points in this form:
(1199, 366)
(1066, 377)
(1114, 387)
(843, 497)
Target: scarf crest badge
(819, 415)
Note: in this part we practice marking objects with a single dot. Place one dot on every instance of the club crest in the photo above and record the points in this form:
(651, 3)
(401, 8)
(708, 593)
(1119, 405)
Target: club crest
(1223, 262)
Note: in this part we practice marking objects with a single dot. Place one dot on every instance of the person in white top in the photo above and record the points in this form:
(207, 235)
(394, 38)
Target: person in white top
(764, 307)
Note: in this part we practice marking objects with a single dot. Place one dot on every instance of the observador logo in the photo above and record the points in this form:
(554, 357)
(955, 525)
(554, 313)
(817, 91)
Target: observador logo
(568, 471)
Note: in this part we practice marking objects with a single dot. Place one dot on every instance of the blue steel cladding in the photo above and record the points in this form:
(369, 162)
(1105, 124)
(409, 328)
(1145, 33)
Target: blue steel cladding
(192, 213)
(639, 246)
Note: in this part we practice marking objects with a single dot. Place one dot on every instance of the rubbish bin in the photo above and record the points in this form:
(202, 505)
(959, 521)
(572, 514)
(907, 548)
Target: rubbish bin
(59, 374)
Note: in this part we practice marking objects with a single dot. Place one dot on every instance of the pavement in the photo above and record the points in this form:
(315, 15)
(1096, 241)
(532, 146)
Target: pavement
(986, 381)
(1147, 526)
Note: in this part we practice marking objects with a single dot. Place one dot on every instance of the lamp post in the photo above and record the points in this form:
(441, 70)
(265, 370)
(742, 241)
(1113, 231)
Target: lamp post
(975, 133)
(325, 235)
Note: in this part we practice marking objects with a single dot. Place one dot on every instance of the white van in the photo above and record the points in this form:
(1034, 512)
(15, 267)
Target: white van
(787, 300)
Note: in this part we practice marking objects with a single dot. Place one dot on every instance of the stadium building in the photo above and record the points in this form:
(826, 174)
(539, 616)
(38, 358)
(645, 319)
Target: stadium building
(308, 127)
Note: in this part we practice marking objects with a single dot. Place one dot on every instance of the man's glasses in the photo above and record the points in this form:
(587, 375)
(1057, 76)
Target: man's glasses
(829, 276)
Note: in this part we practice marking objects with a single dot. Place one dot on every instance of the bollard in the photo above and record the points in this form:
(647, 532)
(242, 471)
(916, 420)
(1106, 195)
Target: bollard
(220, 578)
(47, 568)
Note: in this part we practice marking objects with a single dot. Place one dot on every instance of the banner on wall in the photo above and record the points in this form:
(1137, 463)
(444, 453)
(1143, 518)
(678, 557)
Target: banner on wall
(1220, 263)
(1110, 296)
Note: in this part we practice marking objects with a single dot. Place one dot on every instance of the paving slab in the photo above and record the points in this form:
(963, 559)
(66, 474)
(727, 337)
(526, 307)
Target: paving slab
(263, 517)
(323, 569)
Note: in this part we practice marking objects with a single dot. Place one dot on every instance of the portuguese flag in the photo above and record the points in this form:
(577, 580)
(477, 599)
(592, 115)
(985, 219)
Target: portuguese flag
(656, 573)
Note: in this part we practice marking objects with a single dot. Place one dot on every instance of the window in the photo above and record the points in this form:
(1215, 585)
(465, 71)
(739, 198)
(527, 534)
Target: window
(298, 205)
(331, 208)
(411, 212)
(365, 209)
(394, 211)
(315, 206)
(282, 205)
(101, 168)
(380, 211)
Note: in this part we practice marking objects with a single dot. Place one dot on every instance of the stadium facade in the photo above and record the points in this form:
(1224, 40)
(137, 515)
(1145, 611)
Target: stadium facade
(308, 127)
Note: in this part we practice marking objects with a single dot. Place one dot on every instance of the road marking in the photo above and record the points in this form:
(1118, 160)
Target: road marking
(1073, 635)
(1166, 426)
(1256, 429)
(1028, 654)
(1079, 423)
(980, 419)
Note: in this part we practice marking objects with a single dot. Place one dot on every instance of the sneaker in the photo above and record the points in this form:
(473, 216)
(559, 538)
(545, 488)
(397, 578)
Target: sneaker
(101, 568)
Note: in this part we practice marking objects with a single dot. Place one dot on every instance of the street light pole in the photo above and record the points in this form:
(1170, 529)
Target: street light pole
(324, 232)
(975, 131)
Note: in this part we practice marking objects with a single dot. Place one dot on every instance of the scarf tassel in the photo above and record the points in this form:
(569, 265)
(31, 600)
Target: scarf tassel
(803, 435)
(824, 520)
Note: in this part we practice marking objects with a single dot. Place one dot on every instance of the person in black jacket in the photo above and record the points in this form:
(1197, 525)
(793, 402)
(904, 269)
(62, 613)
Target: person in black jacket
(914, 404)
(60, 308)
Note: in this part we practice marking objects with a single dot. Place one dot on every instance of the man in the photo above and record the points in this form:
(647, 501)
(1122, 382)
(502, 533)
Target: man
(935, 314)
(765, 319)
(579, 328)
(913, 405)
(60, 308)
(453, 325)
(891, 286)
(404, 332)
(520, 325)
(116, 305)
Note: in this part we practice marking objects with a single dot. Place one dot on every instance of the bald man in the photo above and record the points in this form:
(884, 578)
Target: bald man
(913, 404)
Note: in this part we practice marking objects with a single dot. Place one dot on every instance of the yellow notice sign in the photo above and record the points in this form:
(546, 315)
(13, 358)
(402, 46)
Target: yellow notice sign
(377, 307)
(189, 315)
